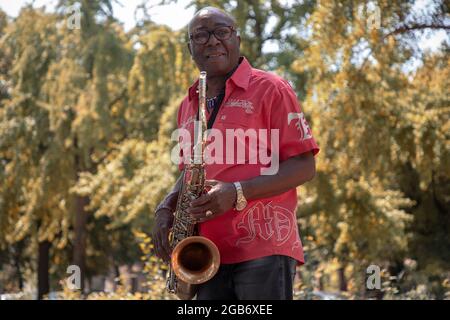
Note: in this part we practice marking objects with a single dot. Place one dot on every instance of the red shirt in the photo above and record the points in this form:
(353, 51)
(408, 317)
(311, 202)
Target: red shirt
(254, 99)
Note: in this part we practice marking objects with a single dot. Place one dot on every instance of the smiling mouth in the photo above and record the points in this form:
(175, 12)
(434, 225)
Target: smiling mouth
(215, 55)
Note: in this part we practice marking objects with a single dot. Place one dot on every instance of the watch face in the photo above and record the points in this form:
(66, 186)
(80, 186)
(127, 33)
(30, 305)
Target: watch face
(241, 205)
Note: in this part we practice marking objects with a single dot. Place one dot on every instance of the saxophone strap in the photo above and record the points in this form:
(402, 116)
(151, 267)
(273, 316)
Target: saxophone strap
(215, 109)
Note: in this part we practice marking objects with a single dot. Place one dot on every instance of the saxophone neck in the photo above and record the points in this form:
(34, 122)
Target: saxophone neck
(201, 124)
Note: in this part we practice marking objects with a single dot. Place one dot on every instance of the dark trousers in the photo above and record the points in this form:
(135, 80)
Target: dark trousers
(267, 278)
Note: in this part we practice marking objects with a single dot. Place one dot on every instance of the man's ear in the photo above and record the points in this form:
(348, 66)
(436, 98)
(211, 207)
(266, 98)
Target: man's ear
(239, 41)
(189, 48)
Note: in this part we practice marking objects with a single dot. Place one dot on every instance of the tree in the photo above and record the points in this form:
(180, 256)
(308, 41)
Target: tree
(359, 98)
(423, 168)
(25, 139)
(65, 86)
(100, 46)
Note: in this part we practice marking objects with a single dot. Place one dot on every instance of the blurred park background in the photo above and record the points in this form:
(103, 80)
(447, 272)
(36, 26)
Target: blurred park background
(88, 102)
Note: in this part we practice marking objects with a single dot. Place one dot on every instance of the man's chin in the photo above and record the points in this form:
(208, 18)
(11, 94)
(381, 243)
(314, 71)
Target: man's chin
(216, 70)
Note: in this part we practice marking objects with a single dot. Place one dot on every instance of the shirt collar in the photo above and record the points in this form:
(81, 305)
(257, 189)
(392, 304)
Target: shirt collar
(240, 77)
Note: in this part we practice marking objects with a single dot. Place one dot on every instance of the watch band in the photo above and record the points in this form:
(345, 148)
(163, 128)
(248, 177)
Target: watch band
(241, 202)
(239, 193)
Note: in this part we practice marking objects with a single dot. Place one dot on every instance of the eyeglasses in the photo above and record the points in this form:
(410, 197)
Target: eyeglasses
(221, 33)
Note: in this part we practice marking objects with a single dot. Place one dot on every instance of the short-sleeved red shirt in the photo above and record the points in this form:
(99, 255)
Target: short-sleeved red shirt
(264, 102)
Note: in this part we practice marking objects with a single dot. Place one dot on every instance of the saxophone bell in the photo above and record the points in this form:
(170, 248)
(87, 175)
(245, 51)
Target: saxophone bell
(195, 260)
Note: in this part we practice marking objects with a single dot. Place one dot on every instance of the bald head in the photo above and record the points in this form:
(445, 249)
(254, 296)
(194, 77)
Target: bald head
(211, 11)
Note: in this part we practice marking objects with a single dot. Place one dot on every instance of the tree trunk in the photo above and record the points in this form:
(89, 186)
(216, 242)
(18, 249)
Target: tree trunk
(318, 280)
(79, 246)
(117, 279)
(43, 264)
(342, 279)
(17, 255)
(19, 272)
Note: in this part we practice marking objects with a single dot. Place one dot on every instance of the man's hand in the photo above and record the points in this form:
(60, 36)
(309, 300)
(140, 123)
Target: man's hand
(220, 197)
(160, 233)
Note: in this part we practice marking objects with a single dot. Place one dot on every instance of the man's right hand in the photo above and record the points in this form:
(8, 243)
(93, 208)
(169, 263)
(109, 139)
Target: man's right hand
(160, 234)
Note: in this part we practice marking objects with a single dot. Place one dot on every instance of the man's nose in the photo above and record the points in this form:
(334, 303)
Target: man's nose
(212, 41)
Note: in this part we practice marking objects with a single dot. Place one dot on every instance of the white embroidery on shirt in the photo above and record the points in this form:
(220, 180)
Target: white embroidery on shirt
(245, 104)
(301, 124)
(266, 222)
(188, 121)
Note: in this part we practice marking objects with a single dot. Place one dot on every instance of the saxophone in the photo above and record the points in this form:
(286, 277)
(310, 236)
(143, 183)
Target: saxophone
(194, 259)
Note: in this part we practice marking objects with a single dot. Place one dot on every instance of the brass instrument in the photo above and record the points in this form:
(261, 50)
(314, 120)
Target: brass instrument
(195, 259)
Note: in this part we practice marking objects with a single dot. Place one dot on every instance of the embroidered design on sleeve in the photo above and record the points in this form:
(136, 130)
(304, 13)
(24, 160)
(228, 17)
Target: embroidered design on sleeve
(301, 124)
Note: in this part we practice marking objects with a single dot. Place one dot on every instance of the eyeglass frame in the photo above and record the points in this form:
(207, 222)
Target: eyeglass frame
(233, 29)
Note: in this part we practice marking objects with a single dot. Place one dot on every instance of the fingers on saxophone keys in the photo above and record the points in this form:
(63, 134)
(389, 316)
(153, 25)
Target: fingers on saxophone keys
(199, 215)
(199, 209)
(201, 200)
(203, 216)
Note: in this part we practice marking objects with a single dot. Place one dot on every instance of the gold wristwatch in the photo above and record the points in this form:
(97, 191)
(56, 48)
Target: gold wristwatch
(241, 202)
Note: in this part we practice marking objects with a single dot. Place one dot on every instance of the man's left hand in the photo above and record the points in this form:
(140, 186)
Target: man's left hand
(220, 197)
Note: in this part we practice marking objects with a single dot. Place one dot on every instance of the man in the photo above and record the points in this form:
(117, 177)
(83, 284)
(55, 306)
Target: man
(248, 214)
